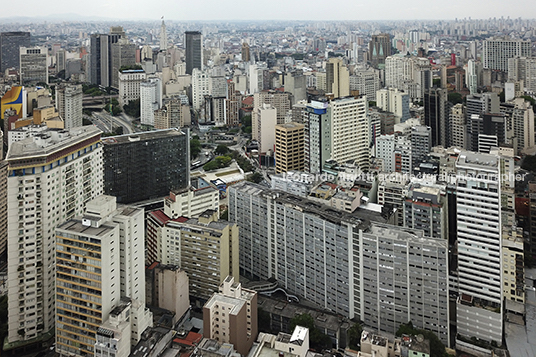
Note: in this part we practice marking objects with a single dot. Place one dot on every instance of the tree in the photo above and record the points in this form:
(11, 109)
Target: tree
(195, 148)
(455, 98)
(354, 336)
(437, 348)
(132, 108)
(256, 177)
(221, 149)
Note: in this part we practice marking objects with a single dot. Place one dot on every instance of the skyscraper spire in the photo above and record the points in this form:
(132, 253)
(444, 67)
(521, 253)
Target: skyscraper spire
(163, 37)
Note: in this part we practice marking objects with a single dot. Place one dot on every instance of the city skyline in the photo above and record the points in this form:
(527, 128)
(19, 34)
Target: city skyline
(293, 10)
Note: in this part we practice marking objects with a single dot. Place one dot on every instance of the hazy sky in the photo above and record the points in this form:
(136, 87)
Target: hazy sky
(185, 10)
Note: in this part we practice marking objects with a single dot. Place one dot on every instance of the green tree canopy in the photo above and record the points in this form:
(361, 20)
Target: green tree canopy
(221, 149)
(354, 336)
(195, 148)
(437, 348)
(455, 98)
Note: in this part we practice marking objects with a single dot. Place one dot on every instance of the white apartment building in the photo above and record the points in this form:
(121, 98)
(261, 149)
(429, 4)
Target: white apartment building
(265, 118)
(484, 213)
(69, 105)
(495, 53)
(51, 178)
(150, 99)
(350, 139)
(394, 101)
(129, 85)
(523, 124)
(385, 148)
(200, 88)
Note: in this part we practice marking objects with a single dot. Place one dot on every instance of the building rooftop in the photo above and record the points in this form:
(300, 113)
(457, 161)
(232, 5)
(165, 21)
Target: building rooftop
(476, 160)
(220, 298)
(76, 226)
(360, 217)
(149, 344)
(50, 141)
(322, 319)
(143, 136)
(299, 335)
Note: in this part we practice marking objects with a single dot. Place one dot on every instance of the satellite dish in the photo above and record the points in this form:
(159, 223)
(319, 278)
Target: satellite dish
(420, 338)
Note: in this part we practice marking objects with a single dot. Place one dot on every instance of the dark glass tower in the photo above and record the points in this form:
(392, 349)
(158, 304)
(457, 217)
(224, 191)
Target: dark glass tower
(10, 42)
(146, 165)
(194, 50)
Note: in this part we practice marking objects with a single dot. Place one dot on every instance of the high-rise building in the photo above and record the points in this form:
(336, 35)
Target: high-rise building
(173, 114)
(129, 85)
(425, 208)
(337, 78)
(33, 65)
(522, 123)
(146, 165)
(394, 101)
(205, 247)
(403, 276)
(10, 43)
(459, 129)
(51, 178)
(349, 131)
(123, 55)
(69, 105)
(265, 120)
(105, 57)
(150, 99)
(110, 239)
(328, 254)
(421, 140)
(245, 52)
(484, 211)
(471, 77)
(367, 82)
(200, 88)
(280, 101)
(230, 316)
(385, 148)
(3, 206)
(289, 147)
(317, 136)
(495, 53)
(379, 49)
(437, 115)
(194, 51)
(163, 37)
(296, 86)
(100, 71)
(232, 104)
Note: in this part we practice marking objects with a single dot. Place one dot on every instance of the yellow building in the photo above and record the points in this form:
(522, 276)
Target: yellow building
(289, 147)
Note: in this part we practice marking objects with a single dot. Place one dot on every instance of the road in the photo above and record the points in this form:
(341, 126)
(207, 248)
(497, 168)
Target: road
(106, 122)
(100, 123)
